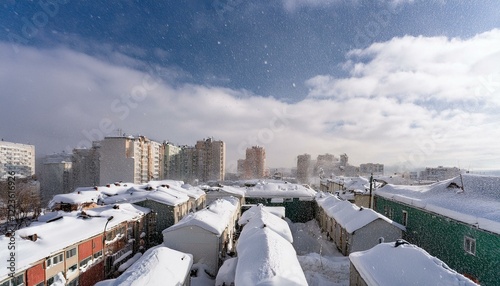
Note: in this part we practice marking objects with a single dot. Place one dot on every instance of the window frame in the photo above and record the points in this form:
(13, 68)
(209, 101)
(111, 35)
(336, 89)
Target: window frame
(405, 218)
(470, 245)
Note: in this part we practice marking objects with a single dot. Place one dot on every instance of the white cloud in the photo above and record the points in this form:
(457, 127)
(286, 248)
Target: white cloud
(386, 111)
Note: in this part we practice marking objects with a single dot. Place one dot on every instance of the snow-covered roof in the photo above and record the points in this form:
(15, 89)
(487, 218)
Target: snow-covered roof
(388, 264)
(234, 191)
(252, 209)
(214, 218)
(171, 193)
(258, 217)
(69, 229)
(278, 189)
(159, 265)
(227, 271)
(478, 203)
(266, 258)
(348, 215)
(162, 195)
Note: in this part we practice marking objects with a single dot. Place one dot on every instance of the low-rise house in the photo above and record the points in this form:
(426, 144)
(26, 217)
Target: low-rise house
(353, 228)
(68, 246)
(206, 234)
(197, 197)
(297, 199)
(159, 265)
(400, 263)
(167, 205)
(220, 191)
(456, 220)
(265, 254)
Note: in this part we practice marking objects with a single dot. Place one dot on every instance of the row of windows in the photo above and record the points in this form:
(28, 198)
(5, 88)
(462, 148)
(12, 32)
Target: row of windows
(51, 261)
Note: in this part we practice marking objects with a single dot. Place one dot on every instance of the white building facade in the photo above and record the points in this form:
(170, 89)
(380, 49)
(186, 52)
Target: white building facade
(18, 158)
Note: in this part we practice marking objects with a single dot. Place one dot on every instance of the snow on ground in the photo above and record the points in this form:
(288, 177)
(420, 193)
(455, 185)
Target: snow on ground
(319, 258)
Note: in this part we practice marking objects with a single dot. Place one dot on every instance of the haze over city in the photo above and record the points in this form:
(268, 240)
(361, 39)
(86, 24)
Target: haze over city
(403, 83)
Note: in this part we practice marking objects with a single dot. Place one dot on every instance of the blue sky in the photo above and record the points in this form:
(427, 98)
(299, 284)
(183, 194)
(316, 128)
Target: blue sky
(404, 83)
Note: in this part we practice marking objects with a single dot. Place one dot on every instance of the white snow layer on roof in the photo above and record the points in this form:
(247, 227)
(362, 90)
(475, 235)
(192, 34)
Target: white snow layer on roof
(385, 264)
(348, 215)
(477, 204)
(58, 234)
(235, 191)
(279, 189)
(258, 217)
(266, 258)
(226, 273)
(159, 265)
(214, 218)
(173, 193)
(247, 215)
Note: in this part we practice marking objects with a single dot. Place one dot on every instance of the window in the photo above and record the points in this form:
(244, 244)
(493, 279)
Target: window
(470, 245)
(84, 262)
(70, 253)
(48, 262)
(72, 268)
(405, 218)
(74, 282)
(57, 259)
(97, 254)
(50, 281)
(16, 281)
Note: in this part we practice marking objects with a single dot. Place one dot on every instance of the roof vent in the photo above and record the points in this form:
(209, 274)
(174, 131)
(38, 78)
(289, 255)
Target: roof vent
(400, 242)
(116, 207)
(33, 237)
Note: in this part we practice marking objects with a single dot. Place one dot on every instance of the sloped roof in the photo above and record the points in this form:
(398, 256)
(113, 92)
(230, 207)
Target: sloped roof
(54, 236)
(278, 189)
(478, 203)
(159, 265)
(348, 215)
(266, 258)
(214, 218)
(388, 264)
(258, 217)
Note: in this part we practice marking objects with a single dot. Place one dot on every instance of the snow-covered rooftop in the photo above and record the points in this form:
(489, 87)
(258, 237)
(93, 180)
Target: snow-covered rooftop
(214, 218)
(54, 234)
(258, 217)
(167, 192)
(159, 265)
(247, 215)
(350, 216)
(235, 191)
(266, 258)
(478, 203)
(278, 189)
(388, 264)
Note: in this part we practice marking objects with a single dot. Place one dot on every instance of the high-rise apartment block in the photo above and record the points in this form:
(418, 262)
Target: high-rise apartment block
(254, 164)
(129, 159)
(86, 166)
(17, 158)
(211, 160)
(304, 166)
(55, 175)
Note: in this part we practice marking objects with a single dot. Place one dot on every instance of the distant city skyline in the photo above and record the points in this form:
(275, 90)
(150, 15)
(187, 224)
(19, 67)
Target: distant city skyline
(409, 84)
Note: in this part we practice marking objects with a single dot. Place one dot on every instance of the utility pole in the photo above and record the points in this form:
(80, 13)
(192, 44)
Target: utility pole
(371, 188)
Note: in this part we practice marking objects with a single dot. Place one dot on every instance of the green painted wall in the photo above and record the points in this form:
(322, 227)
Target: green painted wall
(295, 210)
(444, 238)
(164, 219)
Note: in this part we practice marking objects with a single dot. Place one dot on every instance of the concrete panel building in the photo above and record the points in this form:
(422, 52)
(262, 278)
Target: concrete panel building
(16, 157)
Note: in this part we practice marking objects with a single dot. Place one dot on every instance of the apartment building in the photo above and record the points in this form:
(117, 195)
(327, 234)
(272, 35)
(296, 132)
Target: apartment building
(18, 158)
(210, 160)
(304, 170)
(129, 159)
(254, 165)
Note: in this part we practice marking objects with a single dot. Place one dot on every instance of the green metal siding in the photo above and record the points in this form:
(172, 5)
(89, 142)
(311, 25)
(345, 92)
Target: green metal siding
(295, 209)
(164, 219)
(444, 238)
